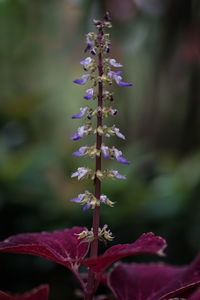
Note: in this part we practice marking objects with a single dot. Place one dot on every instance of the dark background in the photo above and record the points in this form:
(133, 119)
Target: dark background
(42, 42)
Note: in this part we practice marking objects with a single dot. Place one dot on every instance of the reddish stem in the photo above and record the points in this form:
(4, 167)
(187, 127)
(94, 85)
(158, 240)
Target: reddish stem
(91, 285)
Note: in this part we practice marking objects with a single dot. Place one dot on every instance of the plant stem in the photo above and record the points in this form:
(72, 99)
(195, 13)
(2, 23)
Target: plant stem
(77, 274)
(97, 183)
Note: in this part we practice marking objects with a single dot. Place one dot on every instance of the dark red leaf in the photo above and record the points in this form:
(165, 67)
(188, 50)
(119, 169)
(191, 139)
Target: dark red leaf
(153, 281)
(148, 243)
(60, 246)
(195, 295)
(40, 293)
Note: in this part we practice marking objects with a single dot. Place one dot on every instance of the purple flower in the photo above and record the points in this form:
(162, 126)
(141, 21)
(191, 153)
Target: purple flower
(90, 43)
(122, 160)
(87, 206)
(89, 94)
(105, 150)
(79, 199)
(118, 133)
(114, 63)
(116, 174)
(104, 199)
(80, 173)
(122, 83)
(118, 79)
(118, 156)
(78, 135)
(84, 199)
(99, 113)
(93, 51)
(81, 114)
(75, 137)
(86, 62)
(107, 47)
(82, 80)
(81, 151)
(114, 112)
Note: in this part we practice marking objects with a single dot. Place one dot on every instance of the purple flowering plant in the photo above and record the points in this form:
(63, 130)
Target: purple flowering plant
(79, 245)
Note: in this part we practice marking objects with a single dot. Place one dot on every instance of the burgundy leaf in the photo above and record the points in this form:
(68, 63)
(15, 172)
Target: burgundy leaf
(4, 296)
(195, 295)
(62, 246)
(148, 243)
(40, 293)
(134, 281)
(153, 281)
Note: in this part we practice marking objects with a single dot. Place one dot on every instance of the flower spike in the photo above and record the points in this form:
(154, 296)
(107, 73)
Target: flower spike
(101, 75)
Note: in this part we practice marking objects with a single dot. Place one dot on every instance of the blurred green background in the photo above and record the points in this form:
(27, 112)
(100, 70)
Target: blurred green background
(42, 42)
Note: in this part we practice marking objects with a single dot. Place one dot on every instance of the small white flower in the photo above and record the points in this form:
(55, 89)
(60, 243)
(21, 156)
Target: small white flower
(116, 174)
(89, 94)
(103, 198)
(116, 152)
(83, 110)
(80, 173)
(83, 149)
(90, 91)
(113, 63)
(89, 39)
(82, 130)
(105, 150)
(118, 133)
(116, 76)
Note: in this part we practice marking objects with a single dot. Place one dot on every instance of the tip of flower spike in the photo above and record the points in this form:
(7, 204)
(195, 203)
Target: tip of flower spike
(107, 16)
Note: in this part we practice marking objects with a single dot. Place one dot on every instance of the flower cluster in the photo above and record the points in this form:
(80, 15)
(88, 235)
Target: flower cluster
(101, 74)
(86, 173)
(104, 235)
(89, 200)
